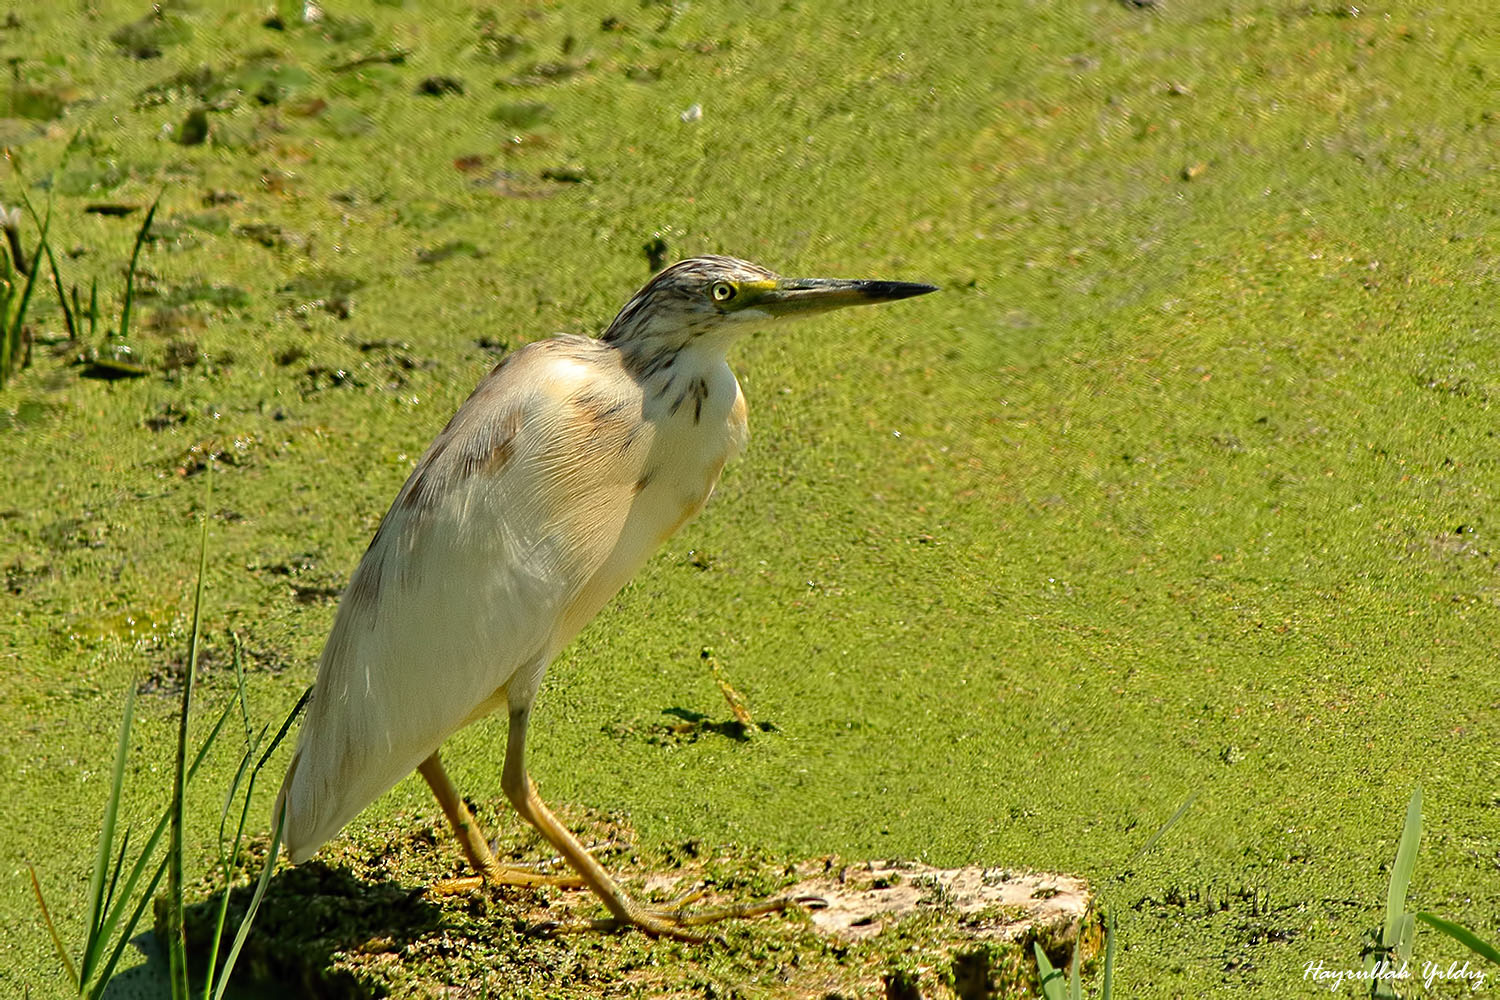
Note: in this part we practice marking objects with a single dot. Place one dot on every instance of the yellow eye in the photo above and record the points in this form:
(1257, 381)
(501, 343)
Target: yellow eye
(722, 291)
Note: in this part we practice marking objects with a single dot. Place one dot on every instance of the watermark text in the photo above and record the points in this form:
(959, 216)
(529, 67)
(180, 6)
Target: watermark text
(1383, 971)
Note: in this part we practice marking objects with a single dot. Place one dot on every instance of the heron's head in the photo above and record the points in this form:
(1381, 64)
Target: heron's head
(711, 300)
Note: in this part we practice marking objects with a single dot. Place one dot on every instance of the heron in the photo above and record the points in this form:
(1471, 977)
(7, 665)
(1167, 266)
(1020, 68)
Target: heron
(573, 460)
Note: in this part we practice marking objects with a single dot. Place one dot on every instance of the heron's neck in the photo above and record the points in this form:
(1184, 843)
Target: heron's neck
(652, 360)
(680, 377)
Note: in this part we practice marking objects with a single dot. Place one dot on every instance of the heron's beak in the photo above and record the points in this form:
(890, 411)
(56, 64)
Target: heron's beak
(789, 296)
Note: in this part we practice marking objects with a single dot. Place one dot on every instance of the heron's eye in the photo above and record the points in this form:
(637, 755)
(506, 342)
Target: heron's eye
(722, 291)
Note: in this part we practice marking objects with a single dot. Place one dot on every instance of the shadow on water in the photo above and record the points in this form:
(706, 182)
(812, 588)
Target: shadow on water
(695, 723)
(151, 980)
(311, 914)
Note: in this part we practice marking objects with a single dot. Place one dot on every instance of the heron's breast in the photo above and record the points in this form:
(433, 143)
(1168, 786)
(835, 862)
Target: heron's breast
(671, 484)
(688, 460)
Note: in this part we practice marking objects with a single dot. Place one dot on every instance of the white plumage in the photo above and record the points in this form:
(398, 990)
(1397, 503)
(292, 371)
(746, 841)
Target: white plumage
(480, 585)
(568, 466)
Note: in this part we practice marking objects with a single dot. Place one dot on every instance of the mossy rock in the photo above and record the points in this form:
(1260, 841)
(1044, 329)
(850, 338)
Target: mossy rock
(359, 922)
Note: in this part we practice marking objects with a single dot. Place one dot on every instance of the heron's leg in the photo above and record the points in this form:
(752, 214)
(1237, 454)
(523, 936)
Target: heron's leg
(471, 839)
(522, 793)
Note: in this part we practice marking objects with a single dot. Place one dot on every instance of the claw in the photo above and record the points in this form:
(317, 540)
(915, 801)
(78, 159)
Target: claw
(686, 899)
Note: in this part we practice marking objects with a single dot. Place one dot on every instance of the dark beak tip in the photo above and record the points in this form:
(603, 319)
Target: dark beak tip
(890, 291)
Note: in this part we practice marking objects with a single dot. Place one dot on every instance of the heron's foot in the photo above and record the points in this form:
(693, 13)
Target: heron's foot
(674, 920)
(502, 875)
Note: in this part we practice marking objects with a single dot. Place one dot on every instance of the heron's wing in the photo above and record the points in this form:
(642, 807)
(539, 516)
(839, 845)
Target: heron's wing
(468, 584)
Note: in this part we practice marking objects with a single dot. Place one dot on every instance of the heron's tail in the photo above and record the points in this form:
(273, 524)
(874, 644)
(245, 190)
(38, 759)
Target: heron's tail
(297, 839)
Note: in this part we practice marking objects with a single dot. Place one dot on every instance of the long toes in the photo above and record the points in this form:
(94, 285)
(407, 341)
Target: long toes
(522, 877)
(675, 922)
(455, 886)
(504, 876)
(669, 925)
(685, 900)
(648, 923)
(738, 911)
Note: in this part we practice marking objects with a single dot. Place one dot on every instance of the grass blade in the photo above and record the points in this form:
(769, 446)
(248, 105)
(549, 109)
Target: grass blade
(5, 297)
(176, 931)
(46, 247)
(130, 925)
(225, 860)
(112, 920)
(31, 277)
(1401, 871)
(1408, 937)
(238, 780)
(69, 321)
(1050, 979)
(208, 741)
(1463, 936)
(286, 726)
(1109, 955)
(114, 875)
(1161, 831)
(96, 916)
(6, 294)
(140, 239)
(259, 894)
(104, 916)
(271, 855)
(11, 324)
(239, 682)
(62, 953)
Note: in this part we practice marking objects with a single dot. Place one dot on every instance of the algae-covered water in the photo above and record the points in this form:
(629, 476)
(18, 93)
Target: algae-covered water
(1185, 482)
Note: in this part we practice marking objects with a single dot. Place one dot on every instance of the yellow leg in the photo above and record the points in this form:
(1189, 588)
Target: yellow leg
(672, 922)
(471, 839)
